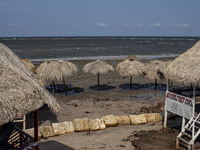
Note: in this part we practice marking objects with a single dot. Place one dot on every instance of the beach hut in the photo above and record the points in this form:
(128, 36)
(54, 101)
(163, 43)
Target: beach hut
(50, 70)
(20, 92)
(131, 67)
(97, 67)
(185, 69)
(29, 64)
(156, 69)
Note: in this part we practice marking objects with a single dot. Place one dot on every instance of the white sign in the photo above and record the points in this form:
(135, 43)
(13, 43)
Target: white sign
(180, 105)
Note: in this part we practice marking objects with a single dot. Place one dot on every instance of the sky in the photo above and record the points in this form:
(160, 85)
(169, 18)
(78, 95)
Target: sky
(35, 18)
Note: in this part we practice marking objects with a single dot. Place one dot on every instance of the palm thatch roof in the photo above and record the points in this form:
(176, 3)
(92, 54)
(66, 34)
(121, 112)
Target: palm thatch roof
(156, 69)
(131, 67)
(20, 92)
(185, 69)
(96, 67)
(10, 55)
(50, 70)
(29, 64)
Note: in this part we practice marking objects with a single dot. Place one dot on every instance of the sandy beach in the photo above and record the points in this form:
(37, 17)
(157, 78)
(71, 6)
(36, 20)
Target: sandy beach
(114, 98)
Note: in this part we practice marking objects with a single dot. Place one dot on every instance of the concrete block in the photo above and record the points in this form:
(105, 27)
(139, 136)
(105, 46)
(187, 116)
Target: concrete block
(138, 119)
(123, 120)
(110, 121)
(46, 131)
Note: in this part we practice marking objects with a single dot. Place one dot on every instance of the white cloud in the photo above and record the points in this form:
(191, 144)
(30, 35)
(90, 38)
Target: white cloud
(102, 25)
(126, 25)
(73, 25)
(139, 25)
(10, 24)
(184, 25)
(13, 24)
(154, 25)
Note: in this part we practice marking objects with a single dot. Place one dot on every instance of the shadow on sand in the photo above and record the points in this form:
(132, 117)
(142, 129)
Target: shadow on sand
(150, 86)
(103, 87)
(52, 145)
(44, 114)
(59, 89)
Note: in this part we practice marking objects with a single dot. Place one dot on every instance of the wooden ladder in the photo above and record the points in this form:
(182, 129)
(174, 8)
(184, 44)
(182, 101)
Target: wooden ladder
(189, 133)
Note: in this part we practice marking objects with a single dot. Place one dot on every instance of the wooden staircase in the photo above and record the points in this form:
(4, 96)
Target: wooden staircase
(189, 133)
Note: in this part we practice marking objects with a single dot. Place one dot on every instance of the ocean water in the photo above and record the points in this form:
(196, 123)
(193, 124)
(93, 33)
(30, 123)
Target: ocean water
(41, 48)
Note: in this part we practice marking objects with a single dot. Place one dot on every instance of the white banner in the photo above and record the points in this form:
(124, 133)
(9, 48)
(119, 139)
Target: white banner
(180, 105)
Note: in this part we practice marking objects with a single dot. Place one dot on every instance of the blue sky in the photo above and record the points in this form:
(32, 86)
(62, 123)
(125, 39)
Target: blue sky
(99, 18)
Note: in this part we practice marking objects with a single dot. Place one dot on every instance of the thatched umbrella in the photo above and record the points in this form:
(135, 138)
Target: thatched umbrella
(21, 93)
(185, 69)
(29, 64)
(156, 69)
(97, 67)
(131, 67)
(50, 70)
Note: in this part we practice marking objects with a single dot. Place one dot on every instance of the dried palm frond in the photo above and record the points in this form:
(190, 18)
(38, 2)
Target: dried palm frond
(29, 64)
(185, 69)
(156, 68)
(96, 67)
(131, 67)
(50, 70)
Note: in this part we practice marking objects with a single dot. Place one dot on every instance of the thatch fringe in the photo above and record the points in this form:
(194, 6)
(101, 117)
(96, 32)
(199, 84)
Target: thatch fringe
(96, 67)
(185, 68)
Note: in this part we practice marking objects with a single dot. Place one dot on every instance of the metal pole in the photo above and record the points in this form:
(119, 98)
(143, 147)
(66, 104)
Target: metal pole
(165, 114)
(193, 128)
(183, 123)
(167, 88)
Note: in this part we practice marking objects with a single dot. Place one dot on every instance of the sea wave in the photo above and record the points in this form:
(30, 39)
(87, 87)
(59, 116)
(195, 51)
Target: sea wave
(108, 57)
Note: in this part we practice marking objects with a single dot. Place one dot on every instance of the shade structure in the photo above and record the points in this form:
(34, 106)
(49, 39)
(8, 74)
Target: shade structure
(29, 64)
(97, 67)
(50, 70)
(20, 92)
(185, 69)
(131, 67)
(156, 69)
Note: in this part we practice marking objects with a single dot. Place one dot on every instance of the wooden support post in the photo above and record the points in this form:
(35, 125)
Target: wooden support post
(54, 87)
(155, 83)
(98, 82)
(130, 82)
(171, 85)
(36, 126)
(64, 85)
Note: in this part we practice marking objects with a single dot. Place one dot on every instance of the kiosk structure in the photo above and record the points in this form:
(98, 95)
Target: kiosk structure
(184, 70)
